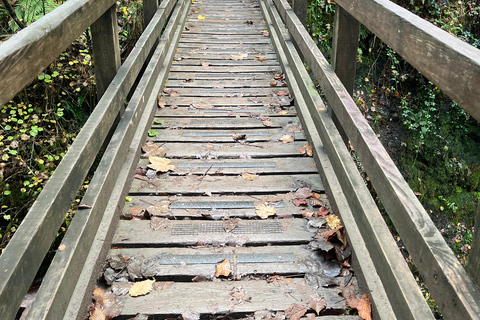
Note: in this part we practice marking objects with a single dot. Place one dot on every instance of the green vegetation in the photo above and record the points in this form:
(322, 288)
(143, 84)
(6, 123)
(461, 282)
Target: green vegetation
(435, 144)
(38, 125)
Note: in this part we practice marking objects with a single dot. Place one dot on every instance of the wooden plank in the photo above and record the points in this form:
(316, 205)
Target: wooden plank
(29, 52)
(226, 62)
(225, 184)
(344, 47)
(239, 69)
(232, 166)
(106, 49)
(241, 123)
(220, 76)
(450, 63)
(56, 288)
(259, 135)
(224, 21)
(26, 250)
(149, 9)
(220, 56)
(203, 103)
(221, 112)
(234, 92)
(319, 124)
(434, 259)
(190, 297)
(300, 9)
(247, 41)
(233, 150)
(216, 84)
(189, 233)
(473, 262)
(257, 49)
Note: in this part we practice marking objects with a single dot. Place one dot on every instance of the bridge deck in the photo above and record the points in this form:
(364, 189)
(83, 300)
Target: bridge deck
(227, 123)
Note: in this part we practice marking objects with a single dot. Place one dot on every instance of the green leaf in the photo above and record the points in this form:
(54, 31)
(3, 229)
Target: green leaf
(7, 192)
(153, 133)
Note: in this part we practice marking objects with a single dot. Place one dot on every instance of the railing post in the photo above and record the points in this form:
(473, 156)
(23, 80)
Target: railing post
(473, 266)
(346, 30)
(300, 9)
(149, 9)
(106, 49)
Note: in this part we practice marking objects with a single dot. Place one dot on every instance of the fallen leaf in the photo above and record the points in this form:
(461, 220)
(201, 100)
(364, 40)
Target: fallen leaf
(307, 213)
(323, 211)
(141, 288)
(260, 58)
(97, 314)
(264, 211)
(205, 64)
(295, 311)
(328, 235)
(159, 223)
(121, 288)
(300, 202)
(84, 206)
(239, 137)
(281, 76)
(178, 59)
(315, 202)
(223, 268)
(273, 83)
(108, 303)
(151, 149)
(286, 138)
(303, 193)
(364, 308)
(238, 295)
(249, 176)
(172, 92)
(267, 123)
(200, 17)
(161, 104)
(316, 195)
(266, 34)
(306, 150)
(282, 93)
(160, 164)
(279, 279)
(230, 224)
(348, 292)
(174, 107)
(188, 80)
(162, 285)
(282, 113)
(317, 303)
(61, 247)
(333, 221)
(159, 208)
(239, 56)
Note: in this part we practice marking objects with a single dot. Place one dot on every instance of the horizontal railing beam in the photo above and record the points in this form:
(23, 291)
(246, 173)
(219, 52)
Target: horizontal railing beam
(451, 64)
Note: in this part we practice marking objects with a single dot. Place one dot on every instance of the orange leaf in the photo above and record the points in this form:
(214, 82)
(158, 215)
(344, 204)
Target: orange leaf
(295, 311)
(306, 150)
(223, 268)
(273, 83)
(364, 308)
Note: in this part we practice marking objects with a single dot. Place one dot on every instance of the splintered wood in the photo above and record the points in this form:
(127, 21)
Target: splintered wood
(227, 204)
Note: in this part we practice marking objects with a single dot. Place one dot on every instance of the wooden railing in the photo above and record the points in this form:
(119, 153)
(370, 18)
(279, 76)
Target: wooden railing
(22, 58)
(454, 67)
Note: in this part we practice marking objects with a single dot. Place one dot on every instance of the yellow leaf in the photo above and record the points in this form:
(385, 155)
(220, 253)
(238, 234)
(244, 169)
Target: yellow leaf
(260, 58)
(223, 268)
(264, 211)
(249, 177)
(200, 17)
(160, 164)
(141, 288)
(128, 199)
(333, 221)
(282, 113)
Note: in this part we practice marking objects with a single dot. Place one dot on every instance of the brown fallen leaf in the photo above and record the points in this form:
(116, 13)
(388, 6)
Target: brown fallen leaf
(328, 235)
(300, 202)
(279, 279)
(282, 93)
(273, 83)
(249, 176)
(97, 314)
(306, 150)
(307, 213)
(84, 206)
(161, 104)
(266, 34)
(230, 224)
(157, 223)
(303, 193)
(152, 149)
(333, 221)
(141, 288)
(317, 303)
(264, 211)
(159, 208)
(171, 92)
(348, 292)
(323, 211)
(162, 285)
(174, 107)
(364, 308)
(260, 58)
(295, 311)
(205, 64)
(61, 247)
(267, 123)
(160, 164)
(315, 202)
(107, 302)
(316, 195)
(238, 295)
(286, 138)
(223, 268)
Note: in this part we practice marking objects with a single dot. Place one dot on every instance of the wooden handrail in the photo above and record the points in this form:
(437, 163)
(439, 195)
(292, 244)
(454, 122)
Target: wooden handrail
(453, 290)
(23, 255)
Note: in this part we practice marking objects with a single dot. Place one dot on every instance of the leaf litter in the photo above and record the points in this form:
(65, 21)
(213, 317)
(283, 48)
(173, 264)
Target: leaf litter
(160, 164)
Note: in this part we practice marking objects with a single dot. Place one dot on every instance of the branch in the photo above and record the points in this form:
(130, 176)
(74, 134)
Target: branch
(12, 14)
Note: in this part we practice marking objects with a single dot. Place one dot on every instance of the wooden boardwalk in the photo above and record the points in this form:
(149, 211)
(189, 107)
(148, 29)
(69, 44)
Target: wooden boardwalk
(223, 114)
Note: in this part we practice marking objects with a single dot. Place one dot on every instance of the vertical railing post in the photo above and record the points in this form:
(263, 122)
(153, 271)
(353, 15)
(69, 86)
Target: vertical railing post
(346, 30)
(149, 9)
(473, 266)
(300, 9)
(106, 49)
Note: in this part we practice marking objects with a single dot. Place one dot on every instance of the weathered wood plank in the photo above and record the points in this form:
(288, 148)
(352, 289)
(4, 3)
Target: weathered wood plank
(226, 62)
(434, 259)
(217, 84)
(257, 49)
(213, 68)
(180, 297)
(258, 135)
(221, 112)
(106, 49)
(220, 76)
(219, 56)
(57, 287)
(225, 184)
(232, 166)
(229, 92)
(233, 150)
(188, 233)
(26, 250)
(242, 123)
(27, 53)
(203, 103)
(320, 127)
(450, 63)
(149, 9)
(300, 9)
(473, 265)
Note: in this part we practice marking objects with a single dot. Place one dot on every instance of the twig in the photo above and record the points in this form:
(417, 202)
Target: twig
(12, 14)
